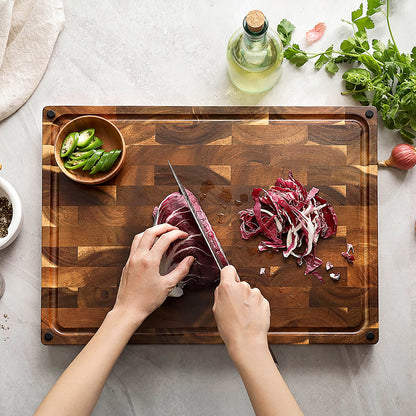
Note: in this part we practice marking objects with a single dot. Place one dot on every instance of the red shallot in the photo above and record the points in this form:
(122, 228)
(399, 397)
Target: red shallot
(403, 156)
(291, 218)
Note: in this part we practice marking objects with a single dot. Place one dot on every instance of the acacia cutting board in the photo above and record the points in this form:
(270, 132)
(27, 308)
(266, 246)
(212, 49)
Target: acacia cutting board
(220, 153)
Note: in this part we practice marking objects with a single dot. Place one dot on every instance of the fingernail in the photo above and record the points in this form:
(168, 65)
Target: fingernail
(191, 260)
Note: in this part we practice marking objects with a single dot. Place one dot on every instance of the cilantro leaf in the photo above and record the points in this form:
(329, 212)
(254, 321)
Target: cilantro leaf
(285, 30)
(364, 23)
(361, 42)
(292, 50)
(299, 58)
(374, 6)
(390, 53)
(348, 45)
(332, 67)
(286, 27)
(357, 13)
(295, 55)
(379, 48)
(413, 54)
(323, 59)
(361, 97)
(393, 110)
(370, 63)
(391, 69)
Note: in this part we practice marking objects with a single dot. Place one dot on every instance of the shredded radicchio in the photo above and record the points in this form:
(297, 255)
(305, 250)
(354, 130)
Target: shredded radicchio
(335, 276)
(329, 265)
(318, 275)
(349, 254)
(291, 218)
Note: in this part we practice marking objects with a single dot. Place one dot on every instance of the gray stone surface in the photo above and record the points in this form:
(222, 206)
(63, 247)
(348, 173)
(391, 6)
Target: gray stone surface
(173, 53)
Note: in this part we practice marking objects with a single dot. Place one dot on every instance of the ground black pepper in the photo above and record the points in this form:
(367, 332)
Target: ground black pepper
(6, 214)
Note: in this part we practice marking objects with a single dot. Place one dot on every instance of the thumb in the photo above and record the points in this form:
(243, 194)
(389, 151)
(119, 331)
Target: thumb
(180, 271)
(229, 274)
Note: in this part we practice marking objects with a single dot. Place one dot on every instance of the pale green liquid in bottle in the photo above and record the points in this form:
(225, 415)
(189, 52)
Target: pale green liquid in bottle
(254, 61)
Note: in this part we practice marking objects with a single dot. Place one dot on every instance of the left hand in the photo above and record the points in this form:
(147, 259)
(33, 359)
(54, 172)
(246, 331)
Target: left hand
(142, 289)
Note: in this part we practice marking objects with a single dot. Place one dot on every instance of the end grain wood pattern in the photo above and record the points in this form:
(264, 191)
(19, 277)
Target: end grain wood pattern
(220, 154)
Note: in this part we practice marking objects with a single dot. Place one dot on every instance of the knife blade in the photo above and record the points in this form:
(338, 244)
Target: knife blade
(183, 192)
(198, 223)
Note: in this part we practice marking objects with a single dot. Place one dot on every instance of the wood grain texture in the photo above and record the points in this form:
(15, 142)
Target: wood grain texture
(220, 153)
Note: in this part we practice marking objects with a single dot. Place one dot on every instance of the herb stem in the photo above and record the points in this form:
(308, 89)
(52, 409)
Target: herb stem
(388, 24)
(314, 55)
(353, 91)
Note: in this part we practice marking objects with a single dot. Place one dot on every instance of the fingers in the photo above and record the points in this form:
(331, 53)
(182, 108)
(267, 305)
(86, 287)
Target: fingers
(245, 284)
(229, 275)
(164, 241)
(135, 244)
(150, 235)
(179, 272)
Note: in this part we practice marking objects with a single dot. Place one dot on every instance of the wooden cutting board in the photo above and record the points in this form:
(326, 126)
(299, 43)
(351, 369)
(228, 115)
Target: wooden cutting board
(220, 153)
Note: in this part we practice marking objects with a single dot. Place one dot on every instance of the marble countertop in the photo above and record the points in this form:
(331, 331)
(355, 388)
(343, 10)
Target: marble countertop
(156, 52)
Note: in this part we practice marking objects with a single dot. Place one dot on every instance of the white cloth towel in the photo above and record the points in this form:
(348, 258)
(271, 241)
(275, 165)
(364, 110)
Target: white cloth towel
(28, 32)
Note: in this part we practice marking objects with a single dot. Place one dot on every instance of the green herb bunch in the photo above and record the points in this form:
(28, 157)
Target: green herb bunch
(386, 78)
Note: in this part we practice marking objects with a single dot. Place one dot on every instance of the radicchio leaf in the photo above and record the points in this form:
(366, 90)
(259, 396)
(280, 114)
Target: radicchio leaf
(175, 211)
(349, 254)
(349, 257)
(329, 266)
(335, 276)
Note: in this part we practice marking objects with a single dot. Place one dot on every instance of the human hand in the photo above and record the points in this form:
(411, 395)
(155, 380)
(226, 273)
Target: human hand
(142, 289)
(242, 313)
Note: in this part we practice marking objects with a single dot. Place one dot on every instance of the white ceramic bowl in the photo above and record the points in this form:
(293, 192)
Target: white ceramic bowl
(7, 190)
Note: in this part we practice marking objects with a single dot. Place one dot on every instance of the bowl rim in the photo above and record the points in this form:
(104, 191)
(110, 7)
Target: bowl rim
(14, 227)
(90, 181)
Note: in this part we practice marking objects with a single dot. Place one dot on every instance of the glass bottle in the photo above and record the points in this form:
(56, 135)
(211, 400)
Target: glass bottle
(254, 55)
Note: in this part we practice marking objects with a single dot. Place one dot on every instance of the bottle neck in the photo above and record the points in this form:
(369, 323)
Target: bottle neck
(255, 40)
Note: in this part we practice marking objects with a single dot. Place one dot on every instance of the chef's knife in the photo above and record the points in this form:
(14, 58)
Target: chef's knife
(183, 192)
(198, 223)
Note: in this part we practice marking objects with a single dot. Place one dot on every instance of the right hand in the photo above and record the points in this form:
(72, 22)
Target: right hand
(242, 313)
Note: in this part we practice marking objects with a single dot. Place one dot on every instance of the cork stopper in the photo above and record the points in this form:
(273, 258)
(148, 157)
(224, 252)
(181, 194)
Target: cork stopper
(255, 21)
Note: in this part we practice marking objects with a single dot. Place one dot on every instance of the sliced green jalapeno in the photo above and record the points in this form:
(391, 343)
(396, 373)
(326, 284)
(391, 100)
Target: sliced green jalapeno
(85, 137)
(69, 144)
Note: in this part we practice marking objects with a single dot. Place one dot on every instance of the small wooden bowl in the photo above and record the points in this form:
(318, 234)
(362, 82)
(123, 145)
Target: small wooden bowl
(107, 132)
